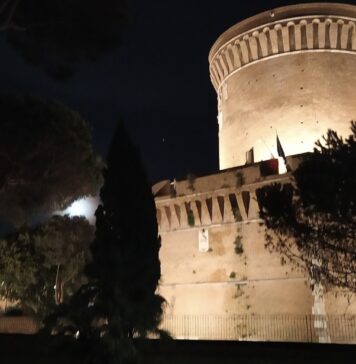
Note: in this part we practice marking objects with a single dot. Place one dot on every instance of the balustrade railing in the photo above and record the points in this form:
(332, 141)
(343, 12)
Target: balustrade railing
(278, 328)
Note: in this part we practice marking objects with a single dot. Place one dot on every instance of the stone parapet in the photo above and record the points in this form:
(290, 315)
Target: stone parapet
(217, 207)
(300, 28)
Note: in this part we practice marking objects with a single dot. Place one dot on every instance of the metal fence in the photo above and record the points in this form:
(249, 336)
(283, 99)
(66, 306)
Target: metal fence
(283, 328)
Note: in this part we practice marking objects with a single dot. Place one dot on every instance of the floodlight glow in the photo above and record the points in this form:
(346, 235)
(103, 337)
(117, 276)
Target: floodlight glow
(79, 208)
(83, 207)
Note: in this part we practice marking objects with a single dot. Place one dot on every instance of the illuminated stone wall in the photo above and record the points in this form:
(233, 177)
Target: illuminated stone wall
(222, 279)
(217, 278)
(289, 71)
(222, 282)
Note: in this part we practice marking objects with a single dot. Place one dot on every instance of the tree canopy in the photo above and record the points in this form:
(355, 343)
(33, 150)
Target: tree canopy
(56, 33)
(314, 218)
(43, 266)
(64, 242)
(46, 158)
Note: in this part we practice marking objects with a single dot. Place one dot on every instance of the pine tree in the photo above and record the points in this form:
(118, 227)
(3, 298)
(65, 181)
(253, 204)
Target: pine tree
(46, 158)
(313, 218)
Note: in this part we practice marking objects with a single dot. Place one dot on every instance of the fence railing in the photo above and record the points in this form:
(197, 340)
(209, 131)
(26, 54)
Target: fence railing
(19, 325)
(284, 328)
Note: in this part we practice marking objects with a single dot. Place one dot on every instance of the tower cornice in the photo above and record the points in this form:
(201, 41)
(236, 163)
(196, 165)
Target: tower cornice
(282, 31)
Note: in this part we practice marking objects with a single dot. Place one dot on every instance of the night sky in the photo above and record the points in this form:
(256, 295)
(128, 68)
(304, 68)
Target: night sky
(157, 81)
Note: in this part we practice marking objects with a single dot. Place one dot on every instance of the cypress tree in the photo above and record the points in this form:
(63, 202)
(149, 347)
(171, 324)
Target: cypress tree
(119, 302)
(125, 268)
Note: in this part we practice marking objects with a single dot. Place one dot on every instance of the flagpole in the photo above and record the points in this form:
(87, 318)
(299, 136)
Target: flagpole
(267, 147)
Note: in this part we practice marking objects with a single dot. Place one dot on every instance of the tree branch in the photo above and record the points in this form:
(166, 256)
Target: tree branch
(57, 289)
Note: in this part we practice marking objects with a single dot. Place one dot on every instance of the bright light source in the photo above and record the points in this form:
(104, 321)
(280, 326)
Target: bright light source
(79, 208)
(84, 207)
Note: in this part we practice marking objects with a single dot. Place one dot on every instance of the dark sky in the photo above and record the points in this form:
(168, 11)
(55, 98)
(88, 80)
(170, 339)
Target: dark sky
(157, 81)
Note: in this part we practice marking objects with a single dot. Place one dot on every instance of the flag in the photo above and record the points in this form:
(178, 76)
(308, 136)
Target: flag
(280, 150)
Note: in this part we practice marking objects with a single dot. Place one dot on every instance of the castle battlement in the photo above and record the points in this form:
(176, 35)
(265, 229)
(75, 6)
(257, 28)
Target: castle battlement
(225, 198)
(222, 198)
(219, 207)
(299, 34)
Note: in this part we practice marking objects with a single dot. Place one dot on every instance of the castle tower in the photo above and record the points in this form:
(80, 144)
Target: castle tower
(291, 72)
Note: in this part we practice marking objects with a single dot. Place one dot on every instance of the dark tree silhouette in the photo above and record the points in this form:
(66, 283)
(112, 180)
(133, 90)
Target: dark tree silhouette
(46, 158)
(120, 302)
(56, 33)
(125, 251)
(312, 221)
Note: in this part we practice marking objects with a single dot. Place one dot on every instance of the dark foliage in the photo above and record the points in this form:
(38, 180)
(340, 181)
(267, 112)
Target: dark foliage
(314, 219)
(35, 260)
(46, 158)
(125, 250)
(120, 301)
(56, 33)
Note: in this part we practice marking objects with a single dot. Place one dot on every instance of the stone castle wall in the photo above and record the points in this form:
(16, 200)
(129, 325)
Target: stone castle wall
(230, 272)
(290, 71)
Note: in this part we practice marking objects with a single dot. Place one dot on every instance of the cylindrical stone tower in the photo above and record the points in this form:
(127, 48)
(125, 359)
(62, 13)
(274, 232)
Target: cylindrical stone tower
(290, 71)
